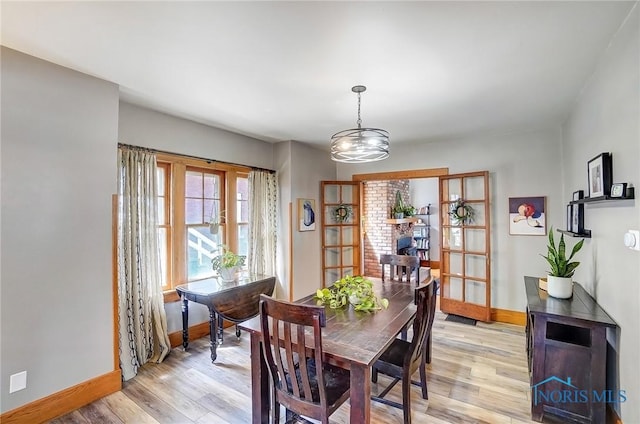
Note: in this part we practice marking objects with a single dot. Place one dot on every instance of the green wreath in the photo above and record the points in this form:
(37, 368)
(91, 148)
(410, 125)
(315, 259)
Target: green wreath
(342, 213)
(461, 212)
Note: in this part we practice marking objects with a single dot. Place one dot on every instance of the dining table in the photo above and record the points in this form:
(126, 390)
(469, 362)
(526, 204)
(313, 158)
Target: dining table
(351, 339)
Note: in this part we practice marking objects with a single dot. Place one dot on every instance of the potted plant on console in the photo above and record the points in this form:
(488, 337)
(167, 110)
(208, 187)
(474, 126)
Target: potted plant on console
(559, 281)
(227, 263)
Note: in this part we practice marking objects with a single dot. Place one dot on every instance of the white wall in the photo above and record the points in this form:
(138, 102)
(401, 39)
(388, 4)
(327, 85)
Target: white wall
(156, 130)
(59, 139)
(309, 167)
(300, 170)
(606, 119)
(148, 128)
(520, 164)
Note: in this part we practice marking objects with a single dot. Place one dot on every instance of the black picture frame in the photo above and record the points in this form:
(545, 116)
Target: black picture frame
(577, 219)
(569, 218)
(599, 175)
(618, 189)
(577, 195)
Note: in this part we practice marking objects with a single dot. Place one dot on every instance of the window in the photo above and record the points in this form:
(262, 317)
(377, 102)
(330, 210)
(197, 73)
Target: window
(193, 193)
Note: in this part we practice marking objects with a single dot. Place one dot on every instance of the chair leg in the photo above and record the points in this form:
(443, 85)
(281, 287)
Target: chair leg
(275, 410)
(406, 399)
(423, 380)
(374, 375)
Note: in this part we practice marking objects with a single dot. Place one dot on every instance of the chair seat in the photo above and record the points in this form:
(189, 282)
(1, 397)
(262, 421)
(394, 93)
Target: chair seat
(336, 381)
(394, 355)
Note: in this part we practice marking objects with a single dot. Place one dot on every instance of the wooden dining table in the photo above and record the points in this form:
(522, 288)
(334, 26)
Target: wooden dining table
(352, 340)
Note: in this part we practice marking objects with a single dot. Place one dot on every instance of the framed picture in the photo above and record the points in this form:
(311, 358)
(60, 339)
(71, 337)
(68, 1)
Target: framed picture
(577, 195)
(569, 221)
(306, 214)
(527, 216)
(599, 174)
(577, 219)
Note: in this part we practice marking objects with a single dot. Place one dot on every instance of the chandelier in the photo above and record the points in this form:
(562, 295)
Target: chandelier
(359, 145)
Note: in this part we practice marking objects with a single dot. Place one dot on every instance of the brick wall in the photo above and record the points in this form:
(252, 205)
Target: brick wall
(380, 237)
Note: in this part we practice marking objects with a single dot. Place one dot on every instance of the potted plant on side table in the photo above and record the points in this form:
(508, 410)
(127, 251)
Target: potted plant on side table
(227, 263)
(559, 281)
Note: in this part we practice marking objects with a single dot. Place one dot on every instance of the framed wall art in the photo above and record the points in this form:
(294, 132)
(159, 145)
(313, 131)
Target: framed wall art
(569, 220)
(306, 214)
(577, 195)
(577, 220)
(599, 175)
(527, 216)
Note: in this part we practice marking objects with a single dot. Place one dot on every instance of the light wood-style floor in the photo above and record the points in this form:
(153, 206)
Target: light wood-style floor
(478, 375)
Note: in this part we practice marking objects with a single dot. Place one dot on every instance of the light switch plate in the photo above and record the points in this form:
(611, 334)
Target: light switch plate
(18, 381)
(632, 239)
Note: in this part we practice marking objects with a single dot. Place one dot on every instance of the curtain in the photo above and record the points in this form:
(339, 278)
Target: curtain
(263, 198)
(142, 320)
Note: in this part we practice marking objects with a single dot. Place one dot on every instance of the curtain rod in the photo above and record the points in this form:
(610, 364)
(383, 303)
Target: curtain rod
(147, 149)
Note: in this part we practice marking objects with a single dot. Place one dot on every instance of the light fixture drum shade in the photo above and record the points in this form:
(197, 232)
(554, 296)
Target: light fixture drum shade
(359, 145)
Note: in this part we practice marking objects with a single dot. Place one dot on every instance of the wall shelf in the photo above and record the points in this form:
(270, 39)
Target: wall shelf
(630, 194)
(583, 234)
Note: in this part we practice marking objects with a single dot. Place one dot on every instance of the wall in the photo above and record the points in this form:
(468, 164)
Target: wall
(520, 164)
(59, 138)
(606, 119)
(303, 168)
(148, 128)
(425, 191)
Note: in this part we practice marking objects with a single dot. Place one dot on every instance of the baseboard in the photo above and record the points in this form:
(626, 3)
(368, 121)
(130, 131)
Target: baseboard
(65, 401)
(195, 332)
(508, 317)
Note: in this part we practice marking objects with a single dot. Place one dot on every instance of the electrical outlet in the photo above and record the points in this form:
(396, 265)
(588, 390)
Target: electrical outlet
(632, 239)
(18, 381)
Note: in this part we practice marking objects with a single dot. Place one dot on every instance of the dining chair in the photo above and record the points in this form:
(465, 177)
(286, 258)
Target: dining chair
(403, 358)
(292, 345)
(400, 265)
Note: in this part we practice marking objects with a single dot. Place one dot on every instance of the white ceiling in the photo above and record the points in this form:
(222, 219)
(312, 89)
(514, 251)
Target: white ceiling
(284, 70)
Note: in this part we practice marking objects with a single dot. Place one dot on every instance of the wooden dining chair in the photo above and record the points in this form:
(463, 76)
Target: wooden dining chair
(292, 345)
(400, 265)
(403, 358)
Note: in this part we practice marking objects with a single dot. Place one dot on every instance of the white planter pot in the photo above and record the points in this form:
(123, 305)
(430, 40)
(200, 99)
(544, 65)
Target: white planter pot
(228, 274)
(560, 287)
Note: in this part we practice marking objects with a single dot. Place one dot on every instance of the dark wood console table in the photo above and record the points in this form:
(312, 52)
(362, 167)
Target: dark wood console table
(567, 354)
(235, 301)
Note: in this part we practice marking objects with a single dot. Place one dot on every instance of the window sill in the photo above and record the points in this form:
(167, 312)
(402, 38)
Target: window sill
(171, 296)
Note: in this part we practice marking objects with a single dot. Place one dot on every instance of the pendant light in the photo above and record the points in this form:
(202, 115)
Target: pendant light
(358, 145)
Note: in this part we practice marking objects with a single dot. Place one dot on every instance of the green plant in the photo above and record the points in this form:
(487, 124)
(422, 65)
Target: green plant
(556, 257)
(409, 210)
(356, 290)
(226, 259)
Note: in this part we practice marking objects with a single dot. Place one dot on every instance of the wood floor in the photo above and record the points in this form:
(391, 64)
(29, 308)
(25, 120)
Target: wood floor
(478, 375)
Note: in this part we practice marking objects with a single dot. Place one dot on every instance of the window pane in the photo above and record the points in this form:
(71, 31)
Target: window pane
(160, 173)
(161, 214)
(193, 184)
(200, 247)
(243, 240)
(211, 186)
(242, 205)
(193, 213)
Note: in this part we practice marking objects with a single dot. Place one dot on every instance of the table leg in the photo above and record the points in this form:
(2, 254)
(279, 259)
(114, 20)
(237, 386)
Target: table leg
(360, 394)
(220, 329)
(213, 333)
(185, 323)
(260, 397)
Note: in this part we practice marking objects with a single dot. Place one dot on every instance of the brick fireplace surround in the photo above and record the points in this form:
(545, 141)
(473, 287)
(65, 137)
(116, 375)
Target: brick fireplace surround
(380, 237)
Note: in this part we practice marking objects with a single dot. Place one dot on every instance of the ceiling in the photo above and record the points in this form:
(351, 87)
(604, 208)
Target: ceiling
(284, 70)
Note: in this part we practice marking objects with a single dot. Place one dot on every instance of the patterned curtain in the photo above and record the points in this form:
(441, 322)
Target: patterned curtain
(263, 200)
(142, 320)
